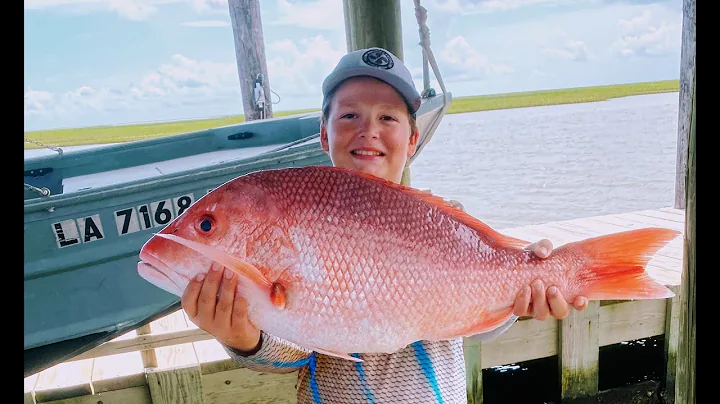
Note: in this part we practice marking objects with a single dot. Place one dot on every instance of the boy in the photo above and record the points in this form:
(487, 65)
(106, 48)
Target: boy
(367, 124)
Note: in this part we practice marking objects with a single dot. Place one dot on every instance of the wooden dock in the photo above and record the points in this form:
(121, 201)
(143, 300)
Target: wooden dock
(175, 362)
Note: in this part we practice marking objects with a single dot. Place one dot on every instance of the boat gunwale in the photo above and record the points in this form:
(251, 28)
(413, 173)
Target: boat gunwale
(178, 178)
(161, 140)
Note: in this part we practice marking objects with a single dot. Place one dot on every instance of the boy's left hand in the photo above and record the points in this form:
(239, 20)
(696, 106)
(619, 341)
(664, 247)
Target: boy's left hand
(540, 303)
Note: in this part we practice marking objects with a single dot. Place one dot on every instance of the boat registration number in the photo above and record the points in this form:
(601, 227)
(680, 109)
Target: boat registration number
(131, 219)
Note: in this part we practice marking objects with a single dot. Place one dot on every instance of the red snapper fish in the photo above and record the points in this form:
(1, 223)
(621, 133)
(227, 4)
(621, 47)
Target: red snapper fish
(341, 262)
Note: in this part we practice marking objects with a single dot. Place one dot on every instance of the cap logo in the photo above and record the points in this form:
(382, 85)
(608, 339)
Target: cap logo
(378, 58)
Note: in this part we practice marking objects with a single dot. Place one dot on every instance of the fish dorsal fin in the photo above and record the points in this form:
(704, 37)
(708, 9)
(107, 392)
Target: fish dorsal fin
(488, 233)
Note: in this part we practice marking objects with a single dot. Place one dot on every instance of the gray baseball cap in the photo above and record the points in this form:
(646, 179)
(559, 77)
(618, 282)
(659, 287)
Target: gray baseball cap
(378, 63)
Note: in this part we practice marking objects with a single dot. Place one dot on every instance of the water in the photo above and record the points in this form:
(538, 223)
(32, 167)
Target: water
(531, 165)
(524, 166)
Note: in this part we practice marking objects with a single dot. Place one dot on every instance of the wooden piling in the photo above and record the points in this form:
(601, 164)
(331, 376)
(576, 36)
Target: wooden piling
(579, 346)
(672, 328)
(250, 55)
(371, 23)
(685, 377)
(687, 78)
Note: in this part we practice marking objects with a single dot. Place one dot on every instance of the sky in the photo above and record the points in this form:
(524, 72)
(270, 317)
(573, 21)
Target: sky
(110, 62)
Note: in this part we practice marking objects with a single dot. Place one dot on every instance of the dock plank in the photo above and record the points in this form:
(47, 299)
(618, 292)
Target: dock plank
(675, 216)
(213, 358)
(525, 340)
(29, 396)
(179, 355)
(133, 395)
(117, 372)
(177, 378)
(64, 380)
(244, 386)
(627, 321)
(653, 221)
(120, 371)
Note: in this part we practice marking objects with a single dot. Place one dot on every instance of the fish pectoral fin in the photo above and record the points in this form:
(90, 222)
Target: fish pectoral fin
(337, 354)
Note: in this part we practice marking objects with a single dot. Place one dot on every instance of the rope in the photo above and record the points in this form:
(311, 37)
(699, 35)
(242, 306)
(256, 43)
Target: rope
(42, 191)
(55, 148)
(270, 100)
(424, 31)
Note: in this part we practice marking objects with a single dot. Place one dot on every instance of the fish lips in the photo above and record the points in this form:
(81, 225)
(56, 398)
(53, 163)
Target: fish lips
(153, 270)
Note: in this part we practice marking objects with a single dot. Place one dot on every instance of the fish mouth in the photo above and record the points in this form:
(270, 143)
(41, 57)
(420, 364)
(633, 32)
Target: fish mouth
(155, 271)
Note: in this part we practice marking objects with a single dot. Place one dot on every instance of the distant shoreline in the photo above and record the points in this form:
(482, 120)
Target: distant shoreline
(125, 133)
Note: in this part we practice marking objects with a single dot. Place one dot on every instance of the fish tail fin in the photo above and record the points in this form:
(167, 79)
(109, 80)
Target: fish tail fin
(616, 267)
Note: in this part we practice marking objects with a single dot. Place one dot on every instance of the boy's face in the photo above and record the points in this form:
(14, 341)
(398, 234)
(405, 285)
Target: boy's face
(368, 129)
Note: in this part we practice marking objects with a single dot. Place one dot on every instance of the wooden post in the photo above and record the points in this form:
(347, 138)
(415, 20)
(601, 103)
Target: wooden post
(687, 78)
(149, 359)
(672, 330)
(250, 55)
(685, 377)
(370, 23)
(579, 352)
(473, 370)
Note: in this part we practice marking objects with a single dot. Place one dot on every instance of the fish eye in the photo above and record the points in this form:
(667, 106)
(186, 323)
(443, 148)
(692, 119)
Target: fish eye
(206, 224)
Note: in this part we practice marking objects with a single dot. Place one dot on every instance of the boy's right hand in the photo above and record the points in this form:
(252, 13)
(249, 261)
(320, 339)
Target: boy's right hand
(211, 303)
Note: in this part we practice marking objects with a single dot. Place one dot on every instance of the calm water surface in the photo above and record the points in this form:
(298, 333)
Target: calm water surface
(531, 165)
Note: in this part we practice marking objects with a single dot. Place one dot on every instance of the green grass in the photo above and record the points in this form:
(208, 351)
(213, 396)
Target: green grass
(125, 133)
(561, 96)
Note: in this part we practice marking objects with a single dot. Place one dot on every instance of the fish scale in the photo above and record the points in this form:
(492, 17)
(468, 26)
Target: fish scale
(367, 265)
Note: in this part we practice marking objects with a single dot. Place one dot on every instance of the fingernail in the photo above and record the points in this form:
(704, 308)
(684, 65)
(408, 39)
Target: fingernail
(215, 266)
(543, 251)
(200, 277)
(552, 290)
(538, 285)
(228, 274)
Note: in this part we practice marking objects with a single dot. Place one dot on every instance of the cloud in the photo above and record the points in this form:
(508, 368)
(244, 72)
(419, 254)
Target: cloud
(37, 102)
(490, 6)
(132, 9)
(648, 35)
(129, 9)
(210, 5)
(463, 62)
(40, 4)
(570, 50)
(317, 14)
(295, 69)
(299, 70)
(181, 81)
(207, 24)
